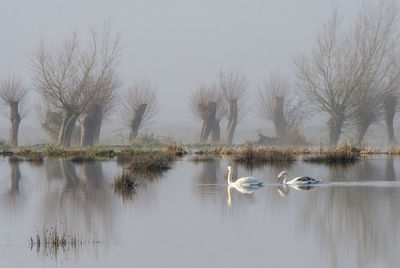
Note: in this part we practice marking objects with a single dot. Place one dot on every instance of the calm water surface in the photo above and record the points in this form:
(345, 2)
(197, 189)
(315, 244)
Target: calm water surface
(183, 218)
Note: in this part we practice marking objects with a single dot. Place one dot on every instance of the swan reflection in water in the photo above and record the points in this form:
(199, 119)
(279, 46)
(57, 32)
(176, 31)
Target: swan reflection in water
(243, 190)
(245, 185)
(283, 189)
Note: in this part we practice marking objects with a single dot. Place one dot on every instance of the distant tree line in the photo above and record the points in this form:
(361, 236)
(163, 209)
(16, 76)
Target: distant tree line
(351, 75)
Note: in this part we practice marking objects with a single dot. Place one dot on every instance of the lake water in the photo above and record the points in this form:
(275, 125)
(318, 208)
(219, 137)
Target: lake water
(185, 217)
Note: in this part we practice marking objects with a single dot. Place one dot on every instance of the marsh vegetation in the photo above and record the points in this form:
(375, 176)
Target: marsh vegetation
(53, 239)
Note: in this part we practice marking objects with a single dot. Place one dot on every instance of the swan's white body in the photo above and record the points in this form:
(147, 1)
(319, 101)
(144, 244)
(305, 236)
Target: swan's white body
(244, 182)
(303, 180)
(245, 185)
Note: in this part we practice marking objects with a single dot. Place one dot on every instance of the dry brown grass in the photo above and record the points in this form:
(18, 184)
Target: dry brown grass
(345, 153)
(151, 161)
(253, 155)
(178, 150)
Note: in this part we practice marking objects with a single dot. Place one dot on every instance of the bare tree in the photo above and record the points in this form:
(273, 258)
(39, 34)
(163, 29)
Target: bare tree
(330, 76)
(12, 93)
(207, 103)
(350, 74)
(139, 106)
(102, 92)
(68, 78)
(275, 104)
(234, 87)
(376, 38)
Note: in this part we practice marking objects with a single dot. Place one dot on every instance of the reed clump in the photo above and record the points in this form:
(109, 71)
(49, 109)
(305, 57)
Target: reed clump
(28, 155)
(126, 185)
(82, 156)
(174, 148)
(54, 239)
(345, 153)
(127, 155)
(151, 161)
(255, 155)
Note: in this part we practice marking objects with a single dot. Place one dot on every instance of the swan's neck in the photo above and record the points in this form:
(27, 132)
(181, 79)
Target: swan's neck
(229, 200)
(283, 190)
(285, 177)
(230, 177)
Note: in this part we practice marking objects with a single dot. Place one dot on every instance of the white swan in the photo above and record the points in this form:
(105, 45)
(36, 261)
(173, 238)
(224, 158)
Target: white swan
(245, 185)
(303, 180)
(244, 182)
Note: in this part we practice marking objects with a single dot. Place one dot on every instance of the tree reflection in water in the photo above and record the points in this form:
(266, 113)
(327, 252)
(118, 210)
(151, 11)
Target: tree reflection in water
(13, 198)
(15, 176)
(357, 220)
(81, 202)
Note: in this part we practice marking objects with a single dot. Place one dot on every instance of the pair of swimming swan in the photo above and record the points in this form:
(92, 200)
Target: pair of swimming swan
(248, 185)
(249, 182)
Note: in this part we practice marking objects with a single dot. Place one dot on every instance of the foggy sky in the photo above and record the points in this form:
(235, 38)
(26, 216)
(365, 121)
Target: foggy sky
(178, 45)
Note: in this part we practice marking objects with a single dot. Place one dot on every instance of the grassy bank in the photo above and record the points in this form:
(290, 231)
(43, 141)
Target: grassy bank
(160, 158)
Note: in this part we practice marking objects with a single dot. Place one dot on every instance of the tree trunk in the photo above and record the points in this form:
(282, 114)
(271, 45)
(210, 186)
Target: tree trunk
(90, 128)
(279, 118)
(50, 132)
(335, 125)
(210, 124)
(15, 176)
(97, 129)
(204, 131)
(137, 121)
(362, 128)
(390, 103)
(215, 132)
(67, 128)
(232, 123)
(15, 119)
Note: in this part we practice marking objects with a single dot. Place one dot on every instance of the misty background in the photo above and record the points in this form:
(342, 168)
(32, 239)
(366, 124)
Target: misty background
(178, 45)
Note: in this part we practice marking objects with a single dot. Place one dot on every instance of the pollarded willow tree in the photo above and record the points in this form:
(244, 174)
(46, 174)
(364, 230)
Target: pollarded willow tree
(139, 106)
(12, 93)
(102, 89)
(234, 88)
(275, 104)
(70, 77)
(349, 74)
(330, 76)
(375, 37)
(207, 103)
